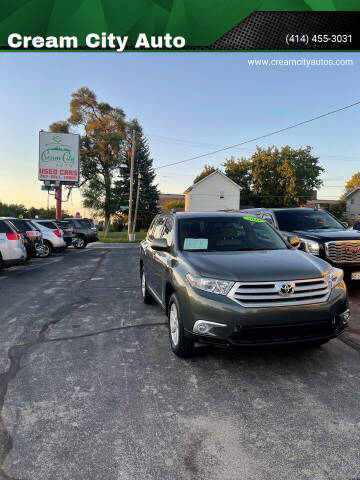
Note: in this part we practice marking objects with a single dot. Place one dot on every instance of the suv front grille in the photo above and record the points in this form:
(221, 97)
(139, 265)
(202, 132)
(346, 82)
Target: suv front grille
(347, 251)
(274, 294)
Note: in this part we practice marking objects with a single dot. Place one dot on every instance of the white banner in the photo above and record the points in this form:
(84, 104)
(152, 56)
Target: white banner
(59, 156)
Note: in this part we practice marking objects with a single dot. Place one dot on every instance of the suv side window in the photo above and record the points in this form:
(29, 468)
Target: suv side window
(4, 227)
(168, 230)
(151, 228)
(156, 233)
(268, 217)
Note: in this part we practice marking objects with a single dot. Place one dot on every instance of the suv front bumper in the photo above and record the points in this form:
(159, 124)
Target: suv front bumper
(265, 325)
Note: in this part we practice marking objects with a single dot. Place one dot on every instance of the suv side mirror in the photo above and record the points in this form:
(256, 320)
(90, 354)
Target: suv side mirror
(345, 224)
(294, 241)
(159, 244)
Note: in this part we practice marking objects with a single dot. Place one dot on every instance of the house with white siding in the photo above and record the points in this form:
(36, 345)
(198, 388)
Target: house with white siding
(215, 192)
(353, 204)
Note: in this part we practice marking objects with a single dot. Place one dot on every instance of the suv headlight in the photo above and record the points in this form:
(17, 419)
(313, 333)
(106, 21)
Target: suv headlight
(333, 276)
(212, 285)
(310, 246)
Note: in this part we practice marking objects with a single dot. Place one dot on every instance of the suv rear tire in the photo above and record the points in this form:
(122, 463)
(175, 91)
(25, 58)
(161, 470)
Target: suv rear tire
(182, 346)
(146, 295)
(80, 242)
(47, 250)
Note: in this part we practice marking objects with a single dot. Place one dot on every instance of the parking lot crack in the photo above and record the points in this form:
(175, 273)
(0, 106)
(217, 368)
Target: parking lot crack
(15, 354)
(108, 330)
(350, 342)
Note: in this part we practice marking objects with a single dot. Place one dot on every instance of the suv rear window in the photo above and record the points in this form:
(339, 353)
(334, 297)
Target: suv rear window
(50, 225)
(84, 223)
(19, 224)
(5, 227)
(31, 226)
(23, 225)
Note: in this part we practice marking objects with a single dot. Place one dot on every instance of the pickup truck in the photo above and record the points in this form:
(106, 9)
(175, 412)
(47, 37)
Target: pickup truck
(320, 234)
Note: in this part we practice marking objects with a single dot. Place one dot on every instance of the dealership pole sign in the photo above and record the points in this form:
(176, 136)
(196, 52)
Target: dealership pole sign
(59, 157)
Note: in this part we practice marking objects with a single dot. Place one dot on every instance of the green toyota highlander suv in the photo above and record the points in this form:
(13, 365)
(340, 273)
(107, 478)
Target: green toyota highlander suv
(230, 279)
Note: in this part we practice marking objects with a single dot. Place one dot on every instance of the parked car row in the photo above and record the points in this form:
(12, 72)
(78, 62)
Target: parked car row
(21, 239)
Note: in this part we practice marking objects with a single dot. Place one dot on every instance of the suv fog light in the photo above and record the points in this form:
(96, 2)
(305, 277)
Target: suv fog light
(202, 327)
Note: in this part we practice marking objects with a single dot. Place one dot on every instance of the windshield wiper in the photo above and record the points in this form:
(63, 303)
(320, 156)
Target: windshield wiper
(325, 228)
(200, 250)
(250, 249)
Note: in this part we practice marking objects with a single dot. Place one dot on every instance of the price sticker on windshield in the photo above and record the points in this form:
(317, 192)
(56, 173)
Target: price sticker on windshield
(195, 243)
(254, 219)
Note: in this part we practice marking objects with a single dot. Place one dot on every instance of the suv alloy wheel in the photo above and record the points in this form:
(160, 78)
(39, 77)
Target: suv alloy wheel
(45, 250)
(80, 242)
(181, 345)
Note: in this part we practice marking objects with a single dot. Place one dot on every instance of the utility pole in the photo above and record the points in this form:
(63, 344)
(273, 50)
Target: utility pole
(136, 204)
(58, 196)
(130, 235)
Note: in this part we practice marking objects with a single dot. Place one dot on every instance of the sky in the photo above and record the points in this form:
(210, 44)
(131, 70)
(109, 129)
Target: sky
(188, 104)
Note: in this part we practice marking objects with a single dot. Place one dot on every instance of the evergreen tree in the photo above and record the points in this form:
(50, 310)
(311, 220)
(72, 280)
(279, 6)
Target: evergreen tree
(143, 164)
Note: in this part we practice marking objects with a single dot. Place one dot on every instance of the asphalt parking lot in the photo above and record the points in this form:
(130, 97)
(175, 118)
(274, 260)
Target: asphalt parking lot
(89, 388)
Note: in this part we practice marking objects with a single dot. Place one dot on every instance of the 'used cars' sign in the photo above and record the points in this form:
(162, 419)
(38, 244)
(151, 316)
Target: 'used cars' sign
(59, 156)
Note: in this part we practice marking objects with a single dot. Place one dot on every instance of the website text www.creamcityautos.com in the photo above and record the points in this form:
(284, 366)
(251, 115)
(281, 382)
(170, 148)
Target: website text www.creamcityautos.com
(301, 62)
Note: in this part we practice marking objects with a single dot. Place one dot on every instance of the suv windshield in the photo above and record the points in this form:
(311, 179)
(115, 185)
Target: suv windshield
(290, 220)
(48, 224)
(221, 234)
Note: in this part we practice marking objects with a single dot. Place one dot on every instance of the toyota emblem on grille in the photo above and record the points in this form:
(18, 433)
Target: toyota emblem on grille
(285, 289)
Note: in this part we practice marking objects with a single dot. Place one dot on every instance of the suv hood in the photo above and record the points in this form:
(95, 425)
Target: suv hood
(255, 266)
(328, 235)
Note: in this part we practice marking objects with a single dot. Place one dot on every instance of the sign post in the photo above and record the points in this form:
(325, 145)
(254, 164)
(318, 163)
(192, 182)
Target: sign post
(59, 162)
(58, 196)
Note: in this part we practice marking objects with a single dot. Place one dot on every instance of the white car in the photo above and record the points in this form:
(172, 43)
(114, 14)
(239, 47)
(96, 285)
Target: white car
(52, 237)
(12, 247)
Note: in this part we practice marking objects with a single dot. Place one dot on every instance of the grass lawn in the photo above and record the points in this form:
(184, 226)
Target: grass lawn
(121, 237)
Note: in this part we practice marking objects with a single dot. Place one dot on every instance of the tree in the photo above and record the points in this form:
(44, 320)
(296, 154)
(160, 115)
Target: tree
(353, 183)
(306, 168)
(174, 204)
(276, 178)
(101, 148)
(286, 177)
(273, 179)
(208, 169)
(143, 164)
(15, 210)
(240, 172)
(60, 127)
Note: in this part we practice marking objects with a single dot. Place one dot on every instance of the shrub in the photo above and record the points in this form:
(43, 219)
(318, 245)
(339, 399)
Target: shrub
(117, 226)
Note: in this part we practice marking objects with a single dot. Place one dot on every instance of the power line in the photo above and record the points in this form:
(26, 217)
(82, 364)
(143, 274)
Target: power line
(261, 136)
(178, 141)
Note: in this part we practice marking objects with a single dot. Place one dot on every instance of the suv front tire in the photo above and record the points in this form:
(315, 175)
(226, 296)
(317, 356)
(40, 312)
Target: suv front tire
(181, 345)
